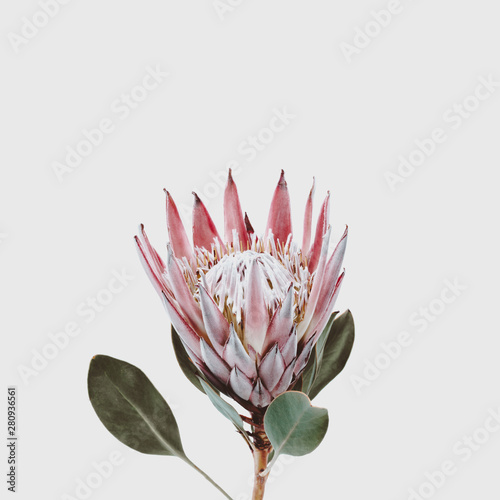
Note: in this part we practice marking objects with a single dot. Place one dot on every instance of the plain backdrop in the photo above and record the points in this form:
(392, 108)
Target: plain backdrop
(230, 70)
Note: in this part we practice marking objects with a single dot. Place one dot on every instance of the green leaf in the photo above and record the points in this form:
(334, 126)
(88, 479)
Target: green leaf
(293, 426)
(310, 372)
(305, 382)
(131, 408)
(297, 386)
(187, 366)
(225, 409)
(336, 349)
(320, 345)
(223, 406)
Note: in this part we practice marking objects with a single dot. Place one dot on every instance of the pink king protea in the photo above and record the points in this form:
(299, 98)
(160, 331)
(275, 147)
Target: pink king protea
(248, 309)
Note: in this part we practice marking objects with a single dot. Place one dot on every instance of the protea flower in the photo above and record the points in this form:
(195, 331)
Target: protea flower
(248, 308)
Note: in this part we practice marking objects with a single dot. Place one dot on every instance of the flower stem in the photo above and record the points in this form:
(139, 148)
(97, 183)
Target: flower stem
(260, 464)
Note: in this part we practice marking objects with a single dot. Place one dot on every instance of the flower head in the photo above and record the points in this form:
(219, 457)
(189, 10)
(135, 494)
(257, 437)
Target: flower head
(248, 308)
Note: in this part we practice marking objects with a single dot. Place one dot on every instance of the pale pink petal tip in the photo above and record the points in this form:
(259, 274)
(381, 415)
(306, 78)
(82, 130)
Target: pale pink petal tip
(233, 215)
(186, 333)
(306, 238)
(216, 324)
(240, 384)
(256, 315)
(260, 396)
(151, 261)
(183, 294)
(204, 230)
(271, 368)
(214, 363)
(321, 228)
(176, 231)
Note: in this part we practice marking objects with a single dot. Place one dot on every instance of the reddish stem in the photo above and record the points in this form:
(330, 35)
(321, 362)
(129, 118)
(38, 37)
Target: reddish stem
(260, 455)
(260, 464)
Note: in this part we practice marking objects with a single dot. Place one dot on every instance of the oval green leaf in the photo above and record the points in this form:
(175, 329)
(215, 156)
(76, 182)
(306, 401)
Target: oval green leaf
(293, 426)
(336, 348)
(320, 345)
(131, 408)
(310, 372)
(305, 382)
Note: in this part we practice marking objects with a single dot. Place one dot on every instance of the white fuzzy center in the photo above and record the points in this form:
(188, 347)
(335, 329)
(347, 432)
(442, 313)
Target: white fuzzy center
(227, 281)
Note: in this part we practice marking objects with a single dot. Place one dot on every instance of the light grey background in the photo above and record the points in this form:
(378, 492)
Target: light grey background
(228, 70)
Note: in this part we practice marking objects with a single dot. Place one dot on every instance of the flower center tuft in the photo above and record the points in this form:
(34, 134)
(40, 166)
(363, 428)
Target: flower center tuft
(227, 281)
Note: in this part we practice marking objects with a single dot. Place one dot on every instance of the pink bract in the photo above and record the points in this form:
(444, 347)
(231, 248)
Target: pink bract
(248, 308)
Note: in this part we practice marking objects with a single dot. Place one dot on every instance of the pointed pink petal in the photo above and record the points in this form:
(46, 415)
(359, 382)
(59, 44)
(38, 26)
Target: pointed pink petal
(321, 228)
(233, 216)
(214, 363)
(252, 353)
(187, 334)
(281, 323)
(234, 354)
(332, 272)
(316, 287)
(183, 294)
(256, 317)
(260, 396)
(306, 238)
(317, 325)
(216, 324)
(204, 230)
(289, 350)
(150, 267)
(271, 368)
(240, 384)
(176, 231)
(160, 266)
(303, 358)
(152, 262)
(279, 221)
(285, 381)
(211, 377)
(194, 358)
